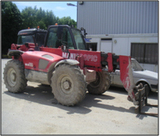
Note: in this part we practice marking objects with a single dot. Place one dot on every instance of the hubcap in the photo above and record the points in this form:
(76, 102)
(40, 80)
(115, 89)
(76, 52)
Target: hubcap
(11, 77)
(66, 84)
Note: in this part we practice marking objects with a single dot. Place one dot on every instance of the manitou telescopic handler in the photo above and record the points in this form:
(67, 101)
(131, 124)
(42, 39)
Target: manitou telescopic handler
(64, 63)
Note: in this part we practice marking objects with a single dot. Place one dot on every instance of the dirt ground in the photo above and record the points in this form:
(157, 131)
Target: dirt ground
(35, 111)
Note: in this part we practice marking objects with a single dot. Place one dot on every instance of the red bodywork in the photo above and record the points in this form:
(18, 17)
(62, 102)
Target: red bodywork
(92, 59)
(23, 47)
(88, 59)
(31, 60)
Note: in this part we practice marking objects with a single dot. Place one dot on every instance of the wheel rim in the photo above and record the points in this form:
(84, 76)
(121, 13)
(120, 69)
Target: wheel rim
(96, 83)
(66, 84)
(11, 77)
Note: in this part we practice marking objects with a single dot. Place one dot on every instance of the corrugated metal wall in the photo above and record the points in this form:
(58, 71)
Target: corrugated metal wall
(118, 17)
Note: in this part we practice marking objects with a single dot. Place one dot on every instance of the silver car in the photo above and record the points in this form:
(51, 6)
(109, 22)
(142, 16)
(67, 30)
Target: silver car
(140, 76)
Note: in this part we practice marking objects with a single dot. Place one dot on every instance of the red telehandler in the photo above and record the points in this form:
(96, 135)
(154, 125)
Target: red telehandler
(29, 39)
(64, 63)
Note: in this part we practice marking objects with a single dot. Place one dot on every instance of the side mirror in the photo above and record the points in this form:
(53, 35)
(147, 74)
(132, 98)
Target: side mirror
(84, 32)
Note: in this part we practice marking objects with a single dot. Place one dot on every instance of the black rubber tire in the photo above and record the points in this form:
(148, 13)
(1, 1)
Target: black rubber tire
(101, 84)
(68, 85)
(14, 77)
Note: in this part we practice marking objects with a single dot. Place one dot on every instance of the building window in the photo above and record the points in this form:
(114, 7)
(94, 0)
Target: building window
(93, 46)
(145, 52)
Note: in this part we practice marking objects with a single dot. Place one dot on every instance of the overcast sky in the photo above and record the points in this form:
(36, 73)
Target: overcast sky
(60, 9)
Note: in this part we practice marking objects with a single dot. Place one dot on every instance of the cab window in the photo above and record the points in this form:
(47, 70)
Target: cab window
(52, 38)
(40, 38)
(22, 39)
(59, 36)
(66, 38)
(78, 39)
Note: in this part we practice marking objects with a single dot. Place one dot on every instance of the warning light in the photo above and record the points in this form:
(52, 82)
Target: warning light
(28, 27)
(56, 23)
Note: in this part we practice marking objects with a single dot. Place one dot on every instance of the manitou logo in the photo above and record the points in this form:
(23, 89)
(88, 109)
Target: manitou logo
(29, 64)
(87, 57)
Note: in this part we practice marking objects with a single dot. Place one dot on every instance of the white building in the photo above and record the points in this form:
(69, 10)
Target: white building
(124, 28)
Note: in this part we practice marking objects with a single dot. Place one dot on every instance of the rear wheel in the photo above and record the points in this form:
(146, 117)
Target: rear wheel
(14, 77)
(102, 83)
(68, 85)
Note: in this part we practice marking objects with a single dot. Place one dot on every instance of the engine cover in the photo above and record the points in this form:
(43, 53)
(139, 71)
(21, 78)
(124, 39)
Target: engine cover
(39, 60)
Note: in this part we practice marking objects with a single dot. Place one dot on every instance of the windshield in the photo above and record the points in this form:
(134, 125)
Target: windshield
(59, 36)
(78, 39)
(40, 38)
(136, 66)
(22, 39)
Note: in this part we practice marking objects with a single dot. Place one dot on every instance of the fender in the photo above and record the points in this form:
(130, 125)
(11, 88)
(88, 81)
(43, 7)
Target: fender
(67, 61)
(54, 65)
(14, 52)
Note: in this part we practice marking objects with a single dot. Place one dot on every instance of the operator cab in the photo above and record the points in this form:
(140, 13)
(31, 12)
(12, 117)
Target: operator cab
(64, 35)
(35, 36)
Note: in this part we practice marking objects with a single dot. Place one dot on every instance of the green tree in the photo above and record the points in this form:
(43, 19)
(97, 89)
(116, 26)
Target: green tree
(66, 21)
(37, 17)
(50, 18)
(29, 17)
(41, 24)
(13, 21)
(11, 24)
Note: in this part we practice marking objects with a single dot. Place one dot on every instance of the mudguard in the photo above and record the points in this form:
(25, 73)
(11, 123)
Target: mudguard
(14, 52)
(68, 61)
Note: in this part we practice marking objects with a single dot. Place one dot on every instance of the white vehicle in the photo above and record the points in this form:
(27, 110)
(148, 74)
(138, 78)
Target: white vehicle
(140, 76)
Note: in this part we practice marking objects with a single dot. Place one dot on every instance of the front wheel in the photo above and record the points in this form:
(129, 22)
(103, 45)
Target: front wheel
(102, 83)
(68, 85)
(14, 77)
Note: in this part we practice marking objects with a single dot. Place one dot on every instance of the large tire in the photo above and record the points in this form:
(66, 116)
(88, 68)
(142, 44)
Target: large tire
(102, 83)
(68, 85)
(14, 77)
